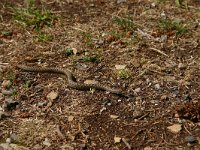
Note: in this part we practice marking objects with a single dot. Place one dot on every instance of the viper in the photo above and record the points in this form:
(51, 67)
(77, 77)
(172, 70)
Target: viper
(71, 80)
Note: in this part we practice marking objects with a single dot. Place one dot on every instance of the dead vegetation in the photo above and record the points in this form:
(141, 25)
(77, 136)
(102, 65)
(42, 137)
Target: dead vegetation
(148, 48)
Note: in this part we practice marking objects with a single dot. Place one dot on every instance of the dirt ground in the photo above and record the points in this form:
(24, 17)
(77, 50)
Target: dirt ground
(150, 49)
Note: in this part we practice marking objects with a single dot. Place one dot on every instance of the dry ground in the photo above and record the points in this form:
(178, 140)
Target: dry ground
(161, 77)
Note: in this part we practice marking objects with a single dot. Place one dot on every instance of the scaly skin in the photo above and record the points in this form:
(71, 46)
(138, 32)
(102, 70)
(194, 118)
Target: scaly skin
(71, 82)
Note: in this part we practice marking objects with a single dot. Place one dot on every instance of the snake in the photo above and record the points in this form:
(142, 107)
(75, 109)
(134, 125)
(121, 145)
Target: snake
(71, 80)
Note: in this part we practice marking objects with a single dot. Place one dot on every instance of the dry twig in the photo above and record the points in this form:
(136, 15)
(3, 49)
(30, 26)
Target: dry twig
(159, 51)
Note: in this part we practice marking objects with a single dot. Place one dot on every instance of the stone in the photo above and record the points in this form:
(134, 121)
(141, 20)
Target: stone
(148, 148)
(66, 147)
(8, 140)
(120, 67)
(153, 5)
(70, 118)
(175, 128)
(41, 104)
(90, 82)
(83, 146)
(52, 95)
(181, 66)
(157, 86)
(80, 66)
(164, 97)
(120, 1)
(137, 90)
(117, 139)
(114, 116)
(46, 142)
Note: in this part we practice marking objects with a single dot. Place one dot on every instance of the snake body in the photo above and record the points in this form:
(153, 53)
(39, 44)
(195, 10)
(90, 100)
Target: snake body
(70, 78)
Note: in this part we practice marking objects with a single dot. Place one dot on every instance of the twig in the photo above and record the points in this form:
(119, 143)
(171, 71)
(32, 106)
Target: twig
(143, 116)
(59, 132)
(146, 35)
(187, 130)
(78, 29)
(126, 143)
(159, 51)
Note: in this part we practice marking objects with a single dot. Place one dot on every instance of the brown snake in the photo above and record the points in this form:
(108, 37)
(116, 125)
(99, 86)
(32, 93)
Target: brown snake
(70, 78)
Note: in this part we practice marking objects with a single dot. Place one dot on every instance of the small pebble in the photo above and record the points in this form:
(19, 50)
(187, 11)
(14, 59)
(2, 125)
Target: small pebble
(163, 38)
(157, 86)
(153, 5)
(181, 66)
(175, 128)
(83, 146)
(109, 104)
(163, 15)
(46, 142)
(8, 140)
(70, 118)
(41, 104)
(114, 116)
(81, 66)
(120, 67)
(137, 90)
(120, 1)
(164, 97)
(176, 116)
(117, 139)
(148, 148)
(119, 100)
(52, 95)
(90, 82)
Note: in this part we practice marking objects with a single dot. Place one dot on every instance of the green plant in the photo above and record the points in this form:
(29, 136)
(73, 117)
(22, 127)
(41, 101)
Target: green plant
(11, 76)
(90, 59)
(92, 90)
(33, 16)
(27, 84)
(167, 25)
(117, 35)
(198, 10)
(161, 1)
(87, 37)
(69, 51)
(123, 73)
(42, 36)
(6, 33)
(125, 23)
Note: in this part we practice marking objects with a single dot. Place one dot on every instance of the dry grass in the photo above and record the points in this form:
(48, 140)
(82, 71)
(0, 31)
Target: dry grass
(158, 41)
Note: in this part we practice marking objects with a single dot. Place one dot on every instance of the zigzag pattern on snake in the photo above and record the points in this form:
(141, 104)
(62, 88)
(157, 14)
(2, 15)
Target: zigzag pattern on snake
(70, 78)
